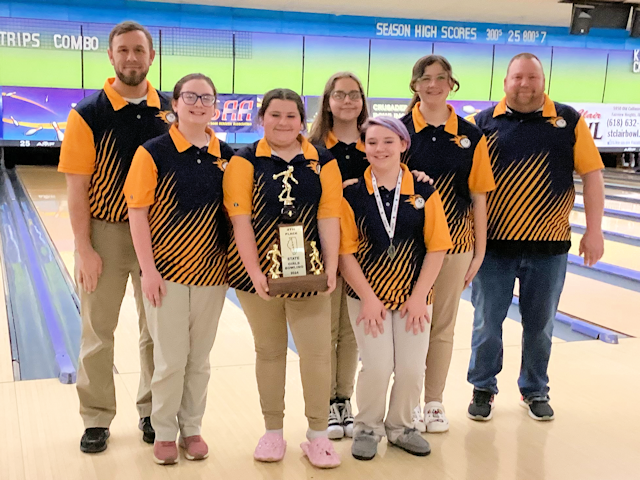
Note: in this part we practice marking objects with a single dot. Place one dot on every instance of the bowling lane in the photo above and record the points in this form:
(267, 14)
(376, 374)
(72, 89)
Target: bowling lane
(48, 191)
(615, 192)
(615, 205)
(625, 227)
(615, 253)
(602, 304)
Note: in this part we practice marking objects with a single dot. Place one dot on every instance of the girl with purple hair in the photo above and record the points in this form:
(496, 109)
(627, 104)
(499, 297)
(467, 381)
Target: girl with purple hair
(394, 235)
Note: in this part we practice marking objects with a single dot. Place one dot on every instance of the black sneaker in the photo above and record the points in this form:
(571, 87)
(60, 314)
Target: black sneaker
(94, 440)
(148, 433)
(538, 409)
(481, 406)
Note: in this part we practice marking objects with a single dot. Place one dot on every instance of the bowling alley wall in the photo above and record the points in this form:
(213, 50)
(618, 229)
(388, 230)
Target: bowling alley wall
(69, 60)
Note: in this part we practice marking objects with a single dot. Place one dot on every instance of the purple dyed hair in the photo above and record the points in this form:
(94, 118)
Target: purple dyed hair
(393, 124)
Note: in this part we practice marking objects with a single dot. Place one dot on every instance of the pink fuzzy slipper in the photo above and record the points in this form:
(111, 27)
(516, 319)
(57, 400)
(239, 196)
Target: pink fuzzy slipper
(270, 448)
(320, 453)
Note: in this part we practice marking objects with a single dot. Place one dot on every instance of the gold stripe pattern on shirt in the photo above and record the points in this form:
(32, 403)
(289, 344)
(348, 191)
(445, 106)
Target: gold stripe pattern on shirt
(195, 262)
(106, 199)
(524, 206)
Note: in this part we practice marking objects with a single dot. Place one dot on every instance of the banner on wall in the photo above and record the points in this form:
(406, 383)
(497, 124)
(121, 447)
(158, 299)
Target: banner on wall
(614, 127)
(36, 117)
(235, 113)
(389, 107)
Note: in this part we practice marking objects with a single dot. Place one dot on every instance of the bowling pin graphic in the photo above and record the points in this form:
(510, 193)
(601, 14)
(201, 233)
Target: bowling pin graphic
(30, 132)
(59, 132)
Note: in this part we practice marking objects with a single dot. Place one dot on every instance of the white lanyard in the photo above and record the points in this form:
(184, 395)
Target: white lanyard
(389, 227)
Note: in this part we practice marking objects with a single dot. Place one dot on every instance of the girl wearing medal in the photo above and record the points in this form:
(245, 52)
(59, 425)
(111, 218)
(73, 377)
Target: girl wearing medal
(284, 174)
(454, 153)
(394, 238)
(337, 126)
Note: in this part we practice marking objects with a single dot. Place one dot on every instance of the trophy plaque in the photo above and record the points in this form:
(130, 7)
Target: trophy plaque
(295, 264)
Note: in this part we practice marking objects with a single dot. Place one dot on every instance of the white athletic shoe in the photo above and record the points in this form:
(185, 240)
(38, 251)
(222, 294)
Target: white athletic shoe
(347, 419)
(336, 431)
(435, 418)
(418, 420)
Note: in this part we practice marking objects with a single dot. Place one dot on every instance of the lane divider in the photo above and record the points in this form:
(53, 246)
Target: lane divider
(582, 326)
(612, 236)
(617, 198)
(607, 268)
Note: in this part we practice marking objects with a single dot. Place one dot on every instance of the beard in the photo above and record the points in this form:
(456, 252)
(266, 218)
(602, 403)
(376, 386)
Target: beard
(133, 79)
(524, 101)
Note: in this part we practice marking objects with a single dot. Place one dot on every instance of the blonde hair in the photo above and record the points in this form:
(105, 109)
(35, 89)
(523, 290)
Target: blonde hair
(323, 123)
(418, 72)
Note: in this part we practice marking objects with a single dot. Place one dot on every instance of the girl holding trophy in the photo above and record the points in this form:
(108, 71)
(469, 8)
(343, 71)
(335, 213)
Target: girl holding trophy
(283, 196)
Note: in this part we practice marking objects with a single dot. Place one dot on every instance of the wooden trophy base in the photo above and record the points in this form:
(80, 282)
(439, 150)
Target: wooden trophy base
(299, 284)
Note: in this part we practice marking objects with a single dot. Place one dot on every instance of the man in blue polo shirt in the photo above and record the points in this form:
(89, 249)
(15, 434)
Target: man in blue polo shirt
(535, 145)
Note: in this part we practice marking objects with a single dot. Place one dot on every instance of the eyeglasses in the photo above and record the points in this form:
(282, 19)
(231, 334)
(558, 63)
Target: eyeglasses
(190, 98)
(340, 95)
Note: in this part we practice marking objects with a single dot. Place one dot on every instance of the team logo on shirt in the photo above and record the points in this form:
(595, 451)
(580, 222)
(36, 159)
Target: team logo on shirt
(462, 141)
(417, 201)
(314, 165)
(221, 164)
(558, 122)
(167, 116)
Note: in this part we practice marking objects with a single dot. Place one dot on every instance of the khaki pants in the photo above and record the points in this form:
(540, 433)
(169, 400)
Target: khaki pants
(396, 352)
(446, 299)
(183, 329)
(310, 323)
(99, 311)
(344, 349)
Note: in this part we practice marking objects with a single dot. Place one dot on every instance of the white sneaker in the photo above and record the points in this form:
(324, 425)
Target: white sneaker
(418, 420)
(435, 418)
(336, 431)
(347, 419)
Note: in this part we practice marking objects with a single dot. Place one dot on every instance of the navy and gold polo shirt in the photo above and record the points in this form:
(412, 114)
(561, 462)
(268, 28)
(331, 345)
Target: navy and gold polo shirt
(102, 135)
(533, 157)
(250, 189)
(351, 158)
(455, 155)
(421, 227)
(183, 186)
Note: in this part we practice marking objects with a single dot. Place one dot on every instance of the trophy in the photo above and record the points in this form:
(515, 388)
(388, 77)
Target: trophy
(295, 263)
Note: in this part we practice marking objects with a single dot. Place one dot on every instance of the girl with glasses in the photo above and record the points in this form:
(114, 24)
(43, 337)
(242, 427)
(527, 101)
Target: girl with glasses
(337, 125)
(454, 153)
(179, 230)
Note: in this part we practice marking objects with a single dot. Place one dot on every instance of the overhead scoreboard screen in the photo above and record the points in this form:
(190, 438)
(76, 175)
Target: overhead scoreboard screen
(47, 67)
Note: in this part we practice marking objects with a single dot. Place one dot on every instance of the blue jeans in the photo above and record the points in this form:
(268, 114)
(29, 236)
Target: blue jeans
(541, 281)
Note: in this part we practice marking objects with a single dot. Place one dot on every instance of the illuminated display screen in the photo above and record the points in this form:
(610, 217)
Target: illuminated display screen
(48, 66)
